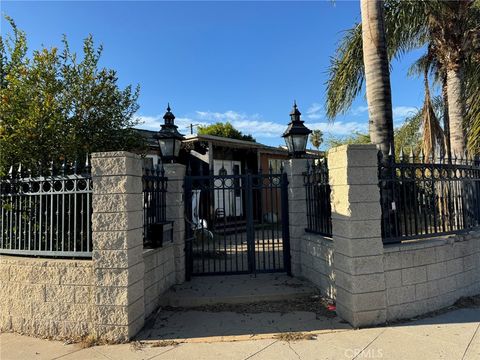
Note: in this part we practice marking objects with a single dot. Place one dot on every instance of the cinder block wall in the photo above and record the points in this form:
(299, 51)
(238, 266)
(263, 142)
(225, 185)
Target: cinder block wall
(111, 295)
(46, 298)
(317, 263)
(159, 275)
(427, 275)
(373, 283)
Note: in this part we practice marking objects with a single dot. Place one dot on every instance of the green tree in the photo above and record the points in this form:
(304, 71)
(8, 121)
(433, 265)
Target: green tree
(224, 130)
(449, 28)
(316, 138)
(55, 106)
(355, 138)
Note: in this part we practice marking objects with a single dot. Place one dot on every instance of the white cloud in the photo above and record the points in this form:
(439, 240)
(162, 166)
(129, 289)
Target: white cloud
(399, 112)
(253, 123)
(359, 110)
(149, 122)
(315, 111)
(248, 124)
(402, 112)
(340, 128)
(154, 122)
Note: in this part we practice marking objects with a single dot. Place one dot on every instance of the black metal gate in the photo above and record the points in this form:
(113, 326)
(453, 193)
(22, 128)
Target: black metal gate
(236, 224)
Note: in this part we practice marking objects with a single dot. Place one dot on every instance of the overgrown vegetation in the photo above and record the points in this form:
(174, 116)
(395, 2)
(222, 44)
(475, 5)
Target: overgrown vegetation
(56, 105)
(450, 32)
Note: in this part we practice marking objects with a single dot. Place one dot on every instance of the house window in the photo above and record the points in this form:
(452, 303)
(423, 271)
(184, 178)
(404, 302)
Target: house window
(276, 165)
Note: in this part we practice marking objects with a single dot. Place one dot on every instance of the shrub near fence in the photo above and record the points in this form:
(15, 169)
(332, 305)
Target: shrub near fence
(420, 198)
(48, 213)
(319, 211)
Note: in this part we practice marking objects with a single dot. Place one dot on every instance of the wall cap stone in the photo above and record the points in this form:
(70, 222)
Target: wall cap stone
(113, 154)
(347, 147)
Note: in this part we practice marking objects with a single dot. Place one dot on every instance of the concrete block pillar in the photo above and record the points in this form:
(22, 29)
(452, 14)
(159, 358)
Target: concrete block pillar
(117, 222)
(176, 212)
(297, 209)
(356, 228)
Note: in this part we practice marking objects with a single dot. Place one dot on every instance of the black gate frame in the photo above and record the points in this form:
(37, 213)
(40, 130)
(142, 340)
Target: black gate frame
(250, 182)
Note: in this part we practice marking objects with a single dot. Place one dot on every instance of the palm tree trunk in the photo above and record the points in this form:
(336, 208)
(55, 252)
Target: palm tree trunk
(456, 111)
(446, 122)
(377, 75)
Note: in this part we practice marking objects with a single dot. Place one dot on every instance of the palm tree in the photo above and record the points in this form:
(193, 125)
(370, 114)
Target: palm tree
(316, 138)
(450, 28)
(377, 75)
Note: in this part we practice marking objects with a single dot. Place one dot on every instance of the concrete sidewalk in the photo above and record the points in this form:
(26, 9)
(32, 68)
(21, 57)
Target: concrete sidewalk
(452, 335)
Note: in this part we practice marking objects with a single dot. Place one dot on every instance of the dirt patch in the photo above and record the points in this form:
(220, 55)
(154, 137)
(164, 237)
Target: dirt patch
(468, 302)
(294, 336)
(314, 304)
(165, 343)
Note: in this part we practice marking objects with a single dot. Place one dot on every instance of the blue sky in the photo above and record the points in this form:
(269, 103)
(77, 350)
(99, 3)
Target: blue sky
(244, 62)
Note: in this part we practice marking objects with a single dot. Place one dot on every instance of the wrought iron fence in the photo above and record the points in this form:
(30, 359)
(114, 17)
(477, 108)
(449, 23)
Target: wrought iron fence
(422, 198)
(319, 211)
(47, 213)
(155, 226)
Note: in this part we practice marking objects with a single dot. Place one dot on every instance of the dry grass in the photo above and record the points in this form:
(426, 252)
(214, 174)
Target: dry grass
(294, 336)
(165, 343)
(137, 345)
(88, 341)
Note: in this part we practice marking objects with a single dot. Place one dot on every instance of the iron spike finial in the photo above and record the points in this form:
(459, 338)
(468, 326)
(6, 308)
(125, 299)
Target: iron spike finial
(64, 167)
(390, 150)
(412, 156)
(19, 170)
(75, 167)
(10, 172)
(401, 156)
(421, 156)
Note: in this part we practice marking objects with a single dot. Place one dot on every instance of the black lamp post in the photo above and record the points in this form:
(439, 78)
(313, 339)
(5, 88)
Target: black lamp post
(296, 135)
(169, 139)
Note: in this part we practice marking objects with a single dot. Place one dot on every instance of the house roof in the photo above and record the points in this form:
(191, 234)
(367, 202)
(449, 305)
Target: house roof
(223, 141)
(148, 136)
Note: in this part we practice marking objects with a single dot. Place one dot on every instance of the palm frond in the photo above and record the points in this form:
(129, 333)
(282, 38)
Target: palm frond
(346, 73)
(405, 30)
(433, 137)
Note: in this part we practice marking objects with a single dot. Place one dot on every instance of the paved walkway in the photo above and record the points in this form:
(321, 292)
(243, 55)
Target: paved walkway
(452, 335)
(236, 289)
